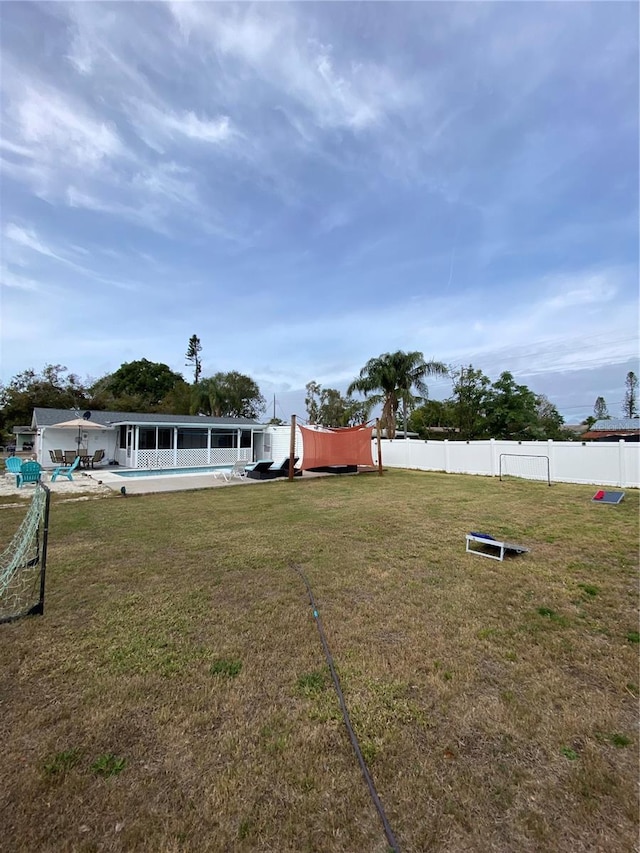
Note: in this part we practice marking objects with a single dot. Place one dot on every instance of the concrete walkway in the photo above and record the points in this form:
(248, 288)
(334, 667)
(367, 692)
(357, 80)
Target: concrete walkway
(106, 482)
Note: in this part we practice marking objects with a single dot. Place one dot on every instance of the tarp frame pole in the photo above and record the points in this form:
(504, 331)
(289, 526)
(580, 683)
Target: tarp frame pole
(292, 448)
(379, 447)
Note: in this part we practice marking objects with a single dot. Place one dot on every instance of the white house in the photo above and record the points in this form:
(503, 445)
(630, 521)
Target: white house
(139, 440)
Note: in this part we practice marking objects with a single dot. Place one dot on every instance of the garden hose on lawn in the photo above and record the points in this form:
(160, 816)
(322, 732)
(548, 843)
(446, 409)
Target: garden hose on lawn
(343, 707)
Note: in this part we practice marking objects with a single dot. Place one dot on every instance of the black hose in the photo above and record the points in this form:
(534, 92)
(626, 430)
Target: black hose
(352, 735)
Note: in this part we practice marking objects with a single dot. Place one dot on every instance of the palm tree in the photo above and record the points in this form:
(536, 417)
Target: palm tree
(207, 398)
(394, 375)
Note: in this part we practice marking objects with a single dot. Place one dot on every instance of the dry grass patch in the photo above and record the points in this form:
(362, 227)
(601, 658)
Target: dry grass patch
(175, 696)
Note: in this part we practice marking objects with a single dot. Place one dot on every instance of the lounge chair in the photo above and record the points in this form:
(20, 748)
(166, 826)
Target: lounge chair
(65, 470)
(262, 470)
(238, 471)
(282, 470)
(30, 472)
(13, 464)
(56, 457)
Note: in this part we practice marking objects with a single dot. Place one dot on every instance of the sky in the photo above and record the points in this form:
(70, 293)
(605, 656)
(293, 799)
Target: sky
(306, 186)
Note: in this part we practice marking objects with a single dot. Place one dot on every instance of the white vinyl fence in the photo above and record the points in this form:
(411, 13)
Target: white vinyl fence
(597, 463)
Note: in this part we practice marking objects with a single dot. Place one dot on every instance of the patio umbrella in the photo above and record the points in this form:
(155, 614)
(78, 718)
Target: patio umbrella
(80, 424)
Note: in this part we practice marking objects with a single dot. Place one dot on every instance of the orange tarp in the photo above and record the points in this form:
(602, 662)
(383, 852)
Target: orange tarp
(348, 446)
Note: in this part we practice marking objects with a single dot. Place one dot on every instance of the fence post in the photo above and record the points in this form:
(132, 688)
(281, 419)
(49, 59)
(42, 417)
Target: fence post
(621, 471)
(446, 455)
(492, 444)
(552, 459)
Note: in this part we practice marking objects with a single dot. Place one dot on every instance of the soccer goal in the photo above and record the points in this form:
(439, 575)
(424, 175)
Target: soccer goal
(525, 466)
(23, 562)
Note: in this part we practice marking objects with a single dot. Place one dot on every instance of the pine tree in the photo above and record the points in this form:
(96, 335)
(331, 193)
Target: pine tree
(630, 402)
(600, 410)
(193, 357)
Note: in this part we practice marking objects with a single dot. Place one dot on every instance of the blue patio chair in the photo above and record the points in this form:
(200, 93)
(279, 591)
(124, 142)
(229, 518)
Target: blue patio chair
(65, 470)
(13, 464)
(30, 472)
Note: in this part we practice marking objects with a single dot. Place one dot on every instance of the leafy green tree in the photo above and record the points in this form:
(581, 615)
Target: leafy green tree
(136, 386)
(511, 410)
(550, 422)
(333, 409)
(470, 394)
(48, 389)
(390, 379)
(338, 411)
(178, 400)
(230, 395)
(193, 357)
(328, 407)
(312, 401)
(630, 402)
(600, 411)
(435, 419)
(207, 398)
(243, 397)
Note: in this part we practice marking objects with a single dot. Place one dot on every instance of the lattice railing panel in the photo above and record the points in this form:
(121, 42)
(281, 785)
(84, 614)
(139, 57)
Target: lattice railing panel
(197, 457)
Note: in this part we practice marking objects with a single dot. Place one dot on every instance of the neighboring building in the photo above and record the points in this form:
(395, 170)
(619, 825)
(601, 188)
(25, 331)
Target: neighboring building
(139, 440)
(621, 429)
(24, 438)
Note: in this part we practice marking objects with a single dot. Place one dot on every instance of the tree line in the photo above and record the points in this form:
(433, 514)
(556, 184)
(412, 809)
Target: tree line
(397, 382)
(476, 408)
(136, 386)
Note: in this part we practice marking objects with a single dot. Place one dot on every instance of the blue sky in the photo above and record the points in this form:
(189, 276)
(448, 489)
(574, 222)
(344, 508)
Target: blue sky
(308, 185)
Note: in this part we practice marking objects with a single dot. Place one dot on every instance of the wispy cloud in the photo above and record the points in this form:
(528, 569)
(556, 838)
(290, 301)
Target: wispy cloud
(158, 128)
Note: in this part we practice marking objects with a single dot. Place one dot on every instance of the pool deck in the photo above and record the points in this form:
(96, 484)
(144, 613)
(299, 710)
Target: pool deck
(105, 482)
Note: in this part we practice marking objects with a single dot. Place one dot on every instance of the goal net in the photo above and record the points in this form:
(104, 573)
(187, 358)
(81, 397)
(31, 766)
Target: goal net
(525, 466)
(23, 562)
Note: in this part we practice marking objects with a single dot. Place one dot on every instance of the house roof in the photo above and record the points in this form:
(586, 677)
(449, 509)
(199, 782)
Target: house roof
(48, 417)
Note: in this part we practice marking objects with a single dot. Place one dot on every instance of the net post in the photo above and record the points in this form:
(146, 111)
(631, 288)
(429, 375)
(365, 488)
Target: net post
(43, 553)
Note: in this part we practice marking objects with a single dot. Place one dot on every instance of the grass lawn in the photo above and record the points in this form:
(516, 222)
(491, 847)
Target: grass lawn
(175, 696)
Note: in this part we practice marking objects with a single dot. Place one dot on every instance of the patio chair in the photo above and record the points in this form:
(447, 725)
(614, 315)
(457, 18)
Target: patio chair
(97, 457)
(237, 470)
(30, 472)
(65, 470)
(13, 463)
(56, 457)
(262, 470)
(282, 470)
(69, 456)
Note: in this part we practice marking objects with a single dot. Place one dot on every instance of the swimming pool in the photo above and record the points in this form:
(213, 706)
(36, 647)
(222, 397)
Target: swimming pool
(170, 472)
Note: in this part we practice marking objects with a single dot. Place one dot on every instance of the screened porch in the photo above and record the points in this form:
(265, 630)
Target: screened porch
(162, 446)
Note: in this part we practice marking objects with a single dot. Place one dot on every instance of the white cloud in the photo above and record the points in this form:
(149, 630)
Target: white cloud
(281, 49)
(157, 126)
(58, 129)
(28, 238)
(19, 282)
